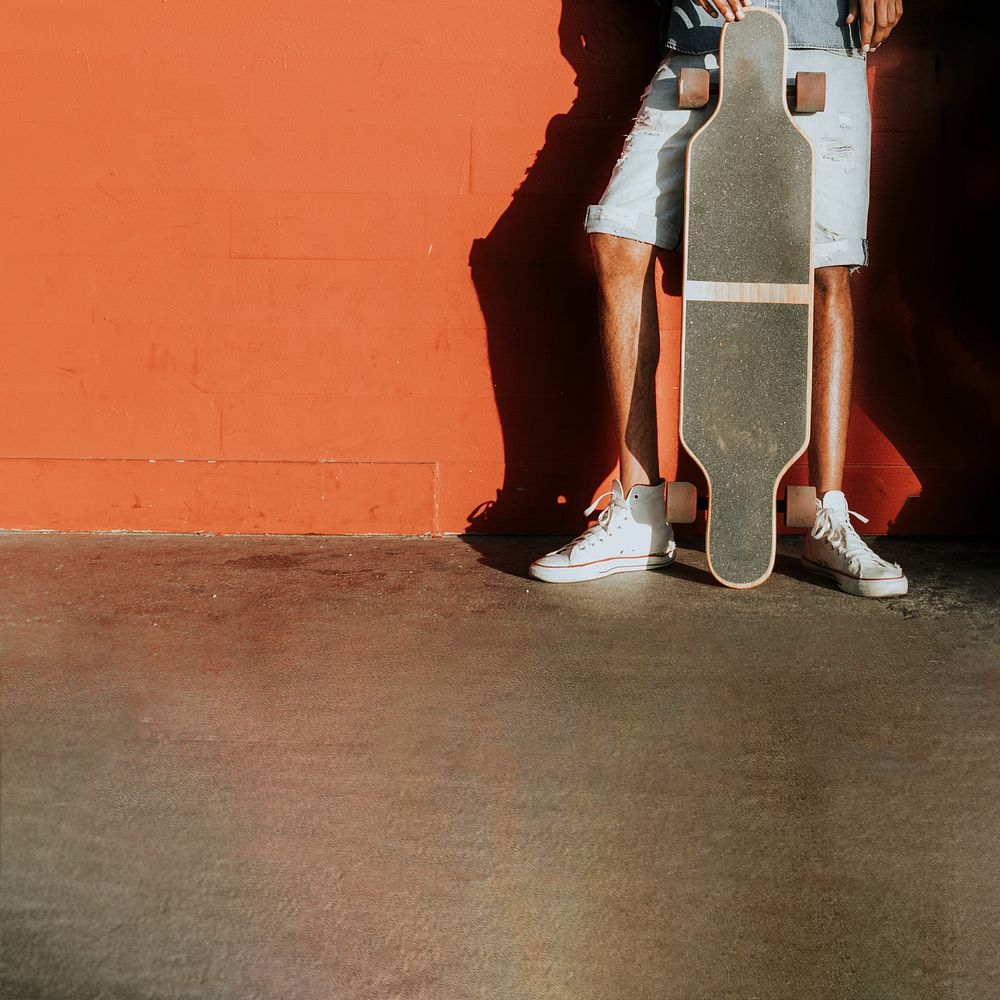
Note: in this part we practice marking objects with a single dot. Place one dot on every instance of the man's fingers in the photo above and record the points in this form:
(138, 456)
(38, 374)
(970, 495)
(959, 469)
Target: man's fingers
(731, 10)
(884, 10)
(896, 12)
(867, 23)
(878, 31)
(887, 15)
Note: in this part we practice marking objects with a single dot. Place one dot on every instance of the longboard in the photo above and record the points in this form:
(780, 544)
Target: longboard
(747, 298)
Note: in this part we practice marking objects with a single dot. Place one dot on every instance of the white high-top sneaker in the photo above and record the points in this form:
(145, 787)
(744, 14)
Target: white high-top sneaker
(834, 549)
(631, 534)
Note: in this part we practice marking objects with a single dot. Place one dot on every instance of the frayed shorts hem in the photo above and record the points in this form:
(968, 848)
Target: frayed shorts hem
(841, 253)
(632, 226)
(852, 253)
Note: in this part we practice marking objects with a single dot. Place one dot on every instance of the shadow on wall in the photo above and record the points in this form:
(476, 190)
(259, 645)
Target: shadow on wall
(535, 284)
(925, 311)
(926, 367)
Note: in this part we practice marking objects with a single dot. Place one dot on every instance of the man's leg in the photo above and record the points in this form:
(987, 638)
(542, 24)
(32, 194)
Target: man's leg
(630, 339)
(833, 548)
(631, 532)
(833, 365)
(642, 206)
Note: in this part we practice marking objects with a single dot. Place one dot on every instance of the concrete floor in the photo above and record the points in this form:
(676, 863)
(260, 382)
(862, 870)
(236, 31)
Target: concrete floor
(255, 767)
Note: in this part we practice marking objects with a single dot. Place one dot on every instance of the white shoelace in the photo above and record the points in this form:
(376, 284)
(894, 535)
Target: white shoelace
(603, 522)
(840, 533)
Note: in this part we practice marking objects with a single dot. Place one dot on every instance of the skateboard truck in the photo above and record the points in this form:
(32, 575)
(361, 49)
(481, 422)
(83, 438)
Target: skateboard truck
(806, 95)
(798, 505)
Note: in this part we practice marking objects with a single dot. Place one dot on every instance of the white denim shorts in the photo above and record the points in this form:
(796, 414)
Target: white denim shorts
(644, 199)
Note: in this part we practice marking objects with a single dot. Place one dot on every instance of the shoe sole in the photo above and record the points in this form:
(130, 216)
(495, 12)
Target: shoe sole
(600, 569)
(895, 587)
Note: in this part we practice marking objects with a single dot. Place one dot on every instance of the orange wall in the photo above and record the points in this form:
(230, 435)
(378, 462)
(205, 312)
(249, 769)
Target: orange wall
(314, 266)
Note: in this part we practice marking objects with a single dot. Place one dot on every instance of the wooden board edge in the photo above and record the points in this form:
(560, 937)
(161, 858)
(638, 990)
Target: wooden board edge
(811, 307)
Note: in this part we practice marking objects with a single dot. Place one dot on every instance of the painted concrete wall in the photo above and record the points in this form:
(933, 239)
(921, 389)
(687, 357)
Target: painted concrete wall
(305, 266)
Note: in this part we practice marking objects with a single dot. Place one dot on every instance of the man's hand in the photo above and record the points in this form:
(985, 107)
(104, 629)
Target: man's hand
(731, 10)
(878, 18)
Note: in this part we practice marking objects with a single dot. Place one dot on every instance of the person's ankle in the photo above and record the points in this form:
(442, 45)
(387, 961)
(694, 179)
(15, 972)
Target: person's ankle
(639, 475)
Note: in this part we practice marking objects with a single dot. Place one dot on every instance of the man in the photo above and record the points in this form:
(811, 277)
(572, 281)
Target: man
(642, 210)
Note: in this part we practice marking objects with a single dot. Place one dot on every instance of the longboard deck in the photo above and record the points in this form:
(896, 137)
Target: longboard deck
(748, 289)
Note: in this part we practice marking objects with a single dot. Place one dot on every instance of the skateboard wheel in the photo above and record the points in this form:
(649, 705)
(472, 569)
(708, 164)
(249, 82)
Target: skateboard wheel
(800, 506)
(810, 93)
(692, 88)
(682, 503)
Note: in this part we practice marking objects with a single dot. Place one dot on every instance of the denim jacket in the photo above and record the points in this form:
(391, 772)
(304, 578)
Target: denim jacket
(811, 24)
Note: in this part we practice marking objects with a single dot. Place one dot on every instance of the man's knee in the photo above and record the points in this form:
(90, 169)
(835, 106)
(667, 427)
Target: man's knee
(617, 256)
(831, 280)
